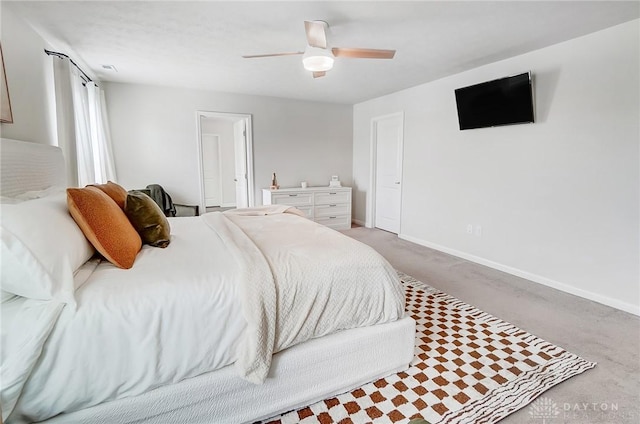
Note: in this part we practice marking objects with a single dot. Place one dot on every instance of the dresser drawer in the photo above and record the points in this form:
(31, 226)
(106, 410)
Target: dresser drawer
(337, 222)
(292, 199)
(306, 210)
(332, 209)
(332, 197)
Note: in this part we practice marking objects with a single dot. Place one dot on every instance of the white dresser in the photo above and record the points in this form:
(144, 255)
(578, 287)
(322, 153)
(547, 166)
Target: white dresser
(324, 205)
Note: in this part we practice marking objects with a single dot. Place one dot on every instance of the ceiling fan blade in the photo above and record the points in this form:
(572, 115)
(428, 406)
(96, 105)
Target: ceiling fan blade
(271, 55)
(319, 74)
(363, 53)
(316, 36)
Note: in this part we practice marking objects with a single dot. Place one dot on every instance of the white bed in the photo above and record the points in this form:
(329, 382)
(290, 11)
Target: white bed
(240, 318)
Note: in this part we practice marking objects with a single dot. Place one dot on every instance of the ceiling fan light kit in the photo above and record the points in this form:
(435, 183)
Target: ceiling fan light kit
(316, 59)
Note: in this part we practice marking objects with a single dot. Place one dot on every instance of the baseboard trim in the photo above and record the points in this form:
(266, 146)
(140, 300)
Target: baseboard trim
(358, 222)
(567, 288)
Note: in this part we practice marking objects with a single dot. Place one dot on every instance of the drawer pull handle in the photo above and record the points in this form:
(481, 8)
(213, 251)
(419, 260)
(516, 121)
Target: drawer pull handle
(293, 195)
(332, 217)
(332, 206)
(333, 193)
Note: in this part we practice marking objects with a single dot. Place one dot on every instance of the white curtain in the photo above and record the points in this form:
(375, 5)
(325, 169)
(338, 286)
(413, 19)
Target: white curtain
(83, 127)
(103, 164)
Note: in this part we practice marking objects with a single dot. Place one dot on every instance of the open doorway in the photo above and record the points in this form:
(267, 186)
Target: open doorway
(226, 161)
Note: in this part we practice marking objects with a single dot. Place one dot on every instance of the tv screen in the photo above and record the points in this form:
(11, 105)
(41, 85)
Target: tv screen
(504, 101)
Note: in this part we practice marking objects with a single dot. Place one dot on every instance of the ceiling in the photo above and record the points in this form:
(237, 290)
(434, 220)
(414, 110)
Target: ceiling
(199, 44)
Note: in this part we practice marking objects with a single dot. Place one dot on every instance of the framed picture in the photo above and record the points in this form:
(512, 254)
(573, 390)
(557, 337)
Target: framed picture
(5, 102)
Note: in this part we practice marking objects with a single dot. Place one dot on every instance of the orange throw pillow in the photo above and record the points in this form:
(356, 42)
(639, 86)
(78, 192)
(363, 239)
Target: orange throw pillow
(113, 190)
(105, 225)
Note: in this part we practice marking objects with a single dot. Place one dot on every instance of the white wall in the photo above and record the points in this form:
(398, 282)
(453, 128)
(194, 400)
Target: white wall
(155, 137)
(558, 200)
(30, 79)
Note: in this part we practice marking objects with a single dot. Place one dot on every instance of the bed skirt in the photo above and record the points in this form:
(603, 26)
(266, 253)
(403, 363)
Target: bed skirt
(299, 376)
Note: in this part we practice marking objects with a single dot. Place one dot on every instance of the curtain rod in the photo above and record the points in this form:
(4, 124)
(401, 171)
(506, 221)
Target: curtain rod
(61, 55)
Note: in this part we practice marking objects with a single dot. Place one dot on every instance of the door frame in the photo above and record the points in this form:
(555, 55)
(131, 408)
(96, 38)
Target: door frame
(248, 152)
(370, 220)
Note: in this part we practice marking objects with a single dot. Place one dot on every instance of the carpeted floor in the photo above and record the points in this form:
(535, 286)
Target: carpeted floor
(469, 367)
(609, 393)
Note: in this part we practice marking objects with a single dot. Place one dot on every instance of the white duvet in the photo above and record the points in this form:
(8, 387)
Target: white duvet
(230, 288)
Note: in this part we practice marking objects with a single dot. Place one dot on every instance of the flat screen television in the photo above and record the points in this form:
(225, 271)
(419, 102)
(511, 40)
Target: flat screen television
(505, 101)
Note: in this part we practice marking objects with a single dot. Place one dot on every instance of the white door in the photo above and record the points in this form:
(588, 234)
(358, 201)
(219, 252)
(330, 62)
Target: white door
(211, 169)
(388, 138)
(240, 153)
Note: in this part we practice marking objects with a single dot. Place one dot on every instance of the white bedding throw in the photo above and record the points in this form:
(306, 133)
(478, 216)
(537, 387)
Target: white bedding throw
(258, 297)
(324, 282)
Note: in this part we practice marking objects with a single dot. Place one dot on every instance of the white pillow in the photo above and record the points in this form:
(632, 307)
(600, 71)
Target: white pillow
(37, 194)
(30, 195)
(9, 200)
(5, 296)
(41, 247)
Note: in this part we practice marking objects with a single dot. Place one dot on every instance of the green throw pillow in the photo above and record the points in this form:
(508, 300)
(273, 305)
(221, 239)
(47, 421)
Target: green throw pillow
(148, 219)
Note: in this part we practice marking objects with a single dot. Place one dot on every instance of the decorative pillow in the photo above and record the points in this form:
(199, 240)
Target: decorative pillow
(105, 225)
(113, 190)
(148, 219)
(41, 246)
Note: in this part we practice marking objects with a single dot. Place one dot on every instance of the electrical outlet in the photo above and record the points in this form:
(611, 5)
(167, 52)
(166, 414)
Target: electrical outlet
(469, 229)
(478, 230)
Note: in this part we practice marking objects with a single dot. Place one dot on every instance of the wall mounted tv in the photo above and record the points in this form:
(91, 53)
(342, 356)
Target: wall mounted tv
(504, 101)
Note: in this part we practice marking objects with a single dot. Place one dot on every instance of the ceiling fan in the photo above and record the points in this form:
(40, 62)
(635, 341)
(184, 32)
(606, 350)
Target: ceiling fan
(318, 57)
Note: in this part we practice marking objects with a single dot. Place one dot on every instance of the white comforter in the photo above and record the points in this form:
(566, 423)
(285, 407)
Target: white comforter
(228, 289)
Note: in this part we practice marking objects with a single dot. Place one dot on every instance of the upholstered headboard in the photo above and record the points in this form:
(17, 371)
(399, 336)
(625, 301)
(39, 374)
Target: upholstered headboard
(28, 166)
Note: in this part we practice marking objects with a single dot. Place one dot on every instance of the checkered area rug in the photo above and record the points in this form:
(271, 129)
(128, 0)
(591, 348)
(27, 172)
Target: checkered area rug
(469, 367)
